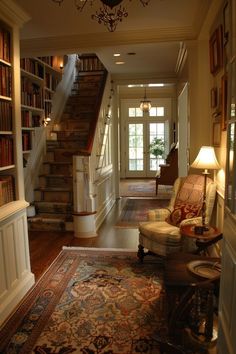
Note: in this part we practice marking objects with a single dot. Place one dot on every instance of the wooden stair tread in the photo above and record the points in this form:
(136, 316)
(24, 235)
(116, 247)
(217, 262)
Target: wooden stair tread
(53, 189)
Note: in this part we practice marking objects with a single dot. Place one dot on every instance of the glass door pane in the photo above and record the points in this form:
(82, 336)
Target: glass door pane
(135, 149)
(156, 131)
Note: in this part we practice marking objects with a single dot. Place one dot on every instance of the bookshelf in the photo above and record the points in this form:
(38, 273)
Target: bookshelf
(7, 193)
(39, 79)
(15, 273)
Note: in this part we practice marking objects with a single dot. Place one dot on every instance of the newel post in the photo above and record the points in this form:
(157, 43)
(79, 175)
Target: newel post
(84, 198)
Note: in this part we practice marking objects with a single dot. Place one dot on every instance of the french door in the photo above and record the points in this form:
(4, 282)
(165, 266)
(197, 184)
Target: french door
(139, 130)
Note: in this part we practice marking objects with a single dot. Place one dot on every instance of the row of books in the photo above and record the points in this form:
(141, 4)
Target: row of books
(30, 120)
(31, 93)
(48, 60)
(5, 44)
(5, 116)
(32, 66)
(26, 141)
(51, 81)
(47, 109)
(5, 80)
(6, 189)
(6, 151)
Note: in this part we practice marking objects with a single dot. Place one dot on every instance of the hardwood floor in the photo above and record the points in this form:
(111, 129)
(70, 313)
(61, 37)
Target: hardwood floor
(45, 246)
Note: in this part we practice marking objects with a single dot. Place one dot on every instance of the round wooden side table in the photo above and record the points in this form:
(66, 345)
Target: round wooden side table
(204, 240)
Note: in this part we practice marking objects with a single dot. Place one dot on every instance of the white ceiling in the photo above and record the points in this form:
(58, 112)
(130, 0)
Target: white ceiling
(154, 33)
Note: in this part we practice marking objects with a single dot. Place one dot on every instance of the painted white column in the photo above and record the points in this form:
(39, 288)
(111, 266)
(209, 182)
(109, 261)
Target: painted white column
(84, 198)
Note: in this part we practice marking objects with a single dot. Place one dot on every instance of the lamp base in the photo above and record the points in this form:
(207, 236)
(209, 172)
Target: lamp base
(200, 229)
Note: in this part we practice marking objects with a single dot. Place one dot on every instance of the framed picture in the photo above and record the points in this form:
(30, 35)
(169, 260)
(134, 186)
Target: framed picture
(216, 134)
(224, 102)
(214, 99)
(226, 17)
(216, 51)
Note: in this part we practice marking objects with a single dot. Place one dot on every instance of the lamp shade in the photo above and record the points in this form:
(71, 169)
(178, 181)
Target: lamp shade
(206, 159)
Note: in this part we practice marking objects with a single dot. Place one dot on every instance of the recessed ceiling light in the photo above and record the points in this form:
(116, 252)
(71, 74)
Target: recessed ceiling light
(155, 85)
(116, 55)
(120, 62)
(131, 53)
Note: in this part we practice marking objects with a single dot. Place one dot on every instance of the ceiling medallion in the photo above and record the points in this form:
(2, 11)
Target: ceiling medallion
(107, 14)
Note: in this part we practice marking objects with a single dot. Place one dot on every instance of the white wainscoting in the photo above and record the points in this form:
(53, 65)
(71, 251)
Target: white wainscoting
(15, 273)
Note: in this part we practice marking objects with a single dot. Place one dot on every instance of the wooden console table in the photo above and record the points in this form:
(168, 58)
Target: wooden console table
(184, 289)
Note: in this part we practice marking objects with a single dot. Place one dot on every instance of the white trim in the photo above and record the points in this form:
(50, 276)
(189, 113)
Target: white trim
(73, 248)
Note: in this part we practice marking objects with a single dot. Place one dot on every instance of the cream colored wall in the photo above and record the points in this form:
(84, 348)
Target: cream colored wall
(197, 72)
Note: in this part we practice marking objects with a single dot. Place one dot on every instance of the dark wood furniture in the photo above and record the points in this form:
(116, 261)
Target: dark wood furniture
(190, 297)
(203, 241)
(168, 171)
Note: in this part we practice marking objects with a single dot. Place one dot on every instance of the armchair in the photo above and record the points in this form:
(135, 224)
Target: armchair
(168, 171)
(161, 234)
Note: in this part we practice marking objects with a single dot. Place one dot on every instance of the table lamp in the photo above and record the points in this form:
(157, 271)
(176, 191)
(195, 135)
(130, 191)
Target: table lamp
(206, 159)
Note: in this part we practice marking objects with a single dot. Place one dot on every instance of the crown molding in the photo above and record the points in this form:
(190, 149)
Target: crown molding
(12, 13)
(77, 42)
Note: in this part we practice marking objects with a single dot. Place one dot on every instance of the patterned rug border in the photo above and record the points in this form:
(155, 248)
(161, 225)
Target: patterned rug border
(57, 275)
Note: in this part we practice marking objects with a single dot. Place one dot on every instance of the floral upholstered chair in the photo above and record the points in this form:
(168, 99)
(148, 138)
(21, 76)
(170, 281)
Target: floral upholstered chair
(161, 234)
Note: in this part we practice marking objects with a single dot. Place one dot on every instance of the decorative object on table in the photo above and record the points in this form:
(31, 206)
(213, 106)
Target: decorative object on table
(109, 13)
(145, 104)
(205, 269)
(206, 159)
(90, 301)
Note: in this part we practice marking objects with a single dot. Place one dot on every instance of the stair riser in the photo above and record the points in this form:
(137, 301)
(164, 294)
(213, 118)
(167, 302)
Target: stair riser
(45, 181)
(49, 226)
(53, 208)
(64, 155)
(51, 196)
(73, 125)
(57, 169)
(71, 145)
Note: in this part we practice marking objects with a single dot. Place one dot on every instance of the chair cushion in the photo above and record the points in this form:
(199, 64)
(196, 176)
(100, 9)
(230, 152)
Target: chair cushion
(160, 231)
(183, 211)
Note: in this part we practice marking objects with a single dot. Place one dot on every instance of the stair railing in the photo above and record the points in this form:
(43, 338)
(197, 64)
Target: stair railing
(41, 133)
(88, 169)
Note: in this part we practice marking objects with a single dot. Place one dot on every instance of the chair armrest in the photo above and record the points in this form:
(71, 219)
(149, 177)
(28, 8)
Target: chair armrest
(158, 214)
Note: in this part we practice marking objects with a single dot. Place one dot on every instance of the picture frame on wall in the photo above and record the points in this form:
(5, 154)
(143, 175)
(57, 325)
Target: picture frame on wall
(224, 102)
(216, 134)
(216, 51)
(214, 98)
(226, 17)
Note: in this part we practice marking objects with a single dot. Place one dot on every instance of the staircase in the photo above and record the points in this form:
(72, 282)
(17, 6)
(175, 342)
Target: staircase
(73, 136)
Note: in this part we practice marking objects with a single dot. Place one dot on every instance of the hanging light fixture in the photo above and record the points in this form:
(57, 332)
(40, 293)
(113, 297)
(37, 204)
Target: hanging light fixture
(145, 104)
(107, 13)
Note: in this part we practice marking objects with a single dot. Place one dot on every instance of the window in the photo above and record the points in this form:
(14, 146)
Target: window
(157, 112)
(135, 112)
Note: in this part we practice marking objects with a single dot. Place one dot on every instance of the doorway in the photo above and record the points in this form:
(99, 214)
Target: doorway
(138, 129)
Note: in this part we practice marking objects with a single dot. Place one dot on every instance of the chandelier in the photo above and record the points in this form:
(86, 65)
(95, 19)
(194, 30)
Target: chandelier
(145, 104)
(110, 13)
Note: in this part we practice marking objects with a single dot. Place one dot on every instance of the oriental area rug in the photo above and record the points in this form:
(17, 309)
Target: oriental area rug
(90, 301)
(135, 211)
(131, 187)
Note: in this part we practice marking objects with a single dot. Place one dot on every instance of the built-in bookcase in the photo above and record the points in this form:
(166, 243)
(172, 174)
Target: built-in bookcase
(39, 79)
(15, 274)
(7, 136)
